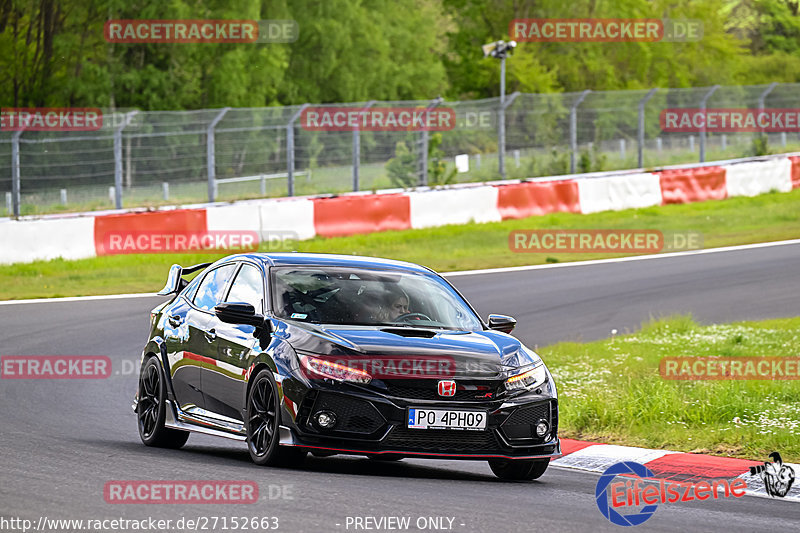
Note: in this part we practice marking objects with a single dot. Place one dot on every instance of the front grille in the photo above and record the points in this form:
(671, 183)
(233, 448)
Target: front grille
(352, 415)
(554, 416)
(429, 390)
(440, 441)
(529, 415)
(520, 426)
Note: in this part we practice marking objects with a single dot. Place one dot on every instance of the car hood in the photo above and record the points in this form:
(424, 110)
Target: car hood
(470, 352)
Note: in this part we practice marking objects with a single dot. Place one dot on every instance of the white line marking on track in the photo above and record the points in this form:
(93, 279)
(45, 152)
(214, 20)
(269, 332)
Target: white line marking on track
(79, 298)
(464, 272)
(621, 259)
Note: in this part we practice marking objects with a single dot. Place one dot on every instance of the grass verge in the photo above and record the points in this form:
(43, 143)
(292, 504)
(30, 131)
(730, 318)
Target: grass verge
(611, 391)
(768, 217)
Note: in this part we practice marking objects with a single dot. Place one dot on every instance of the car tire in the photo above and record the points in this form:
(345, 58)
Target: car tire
(151, 409)
(519, 469)
(263, 421)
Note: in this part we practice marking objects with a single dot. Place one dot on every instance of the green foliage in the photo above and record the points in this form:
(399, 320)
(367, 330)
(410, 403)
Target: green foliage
(54, 52)
(761, 145)
(570, 66)
(557, 165)
(402, 168)
(585, 162)
(438, 174)
(591, 160)
(346, 51)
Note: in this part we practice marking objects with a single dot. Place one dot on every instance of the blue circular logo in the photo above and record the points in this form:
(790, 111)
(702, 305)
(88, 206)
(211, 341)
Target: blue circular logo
(603, 501)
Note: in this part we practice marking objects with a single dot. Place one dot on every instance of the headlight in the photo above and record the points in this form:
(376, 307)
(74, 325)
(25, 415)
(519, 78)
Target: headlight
(527, 379)
(320, 368)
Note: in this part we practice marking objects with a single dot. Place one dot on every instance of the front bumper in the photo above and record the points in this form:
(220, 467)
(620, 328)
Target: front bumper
(376, 425)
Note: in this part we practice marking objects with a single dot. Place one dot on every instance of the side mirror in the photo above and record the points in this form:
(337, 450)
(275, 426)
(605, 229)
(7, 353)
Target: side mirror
(238, 313)
(503, 323)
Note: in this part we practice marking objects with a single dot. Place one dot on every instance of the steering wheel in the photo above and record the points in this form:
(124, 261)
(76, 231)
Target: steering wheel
(413, 316)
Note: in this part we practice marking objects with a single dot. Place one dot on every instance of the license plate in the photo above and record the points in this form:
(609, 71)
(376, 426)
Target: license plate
(446, 419)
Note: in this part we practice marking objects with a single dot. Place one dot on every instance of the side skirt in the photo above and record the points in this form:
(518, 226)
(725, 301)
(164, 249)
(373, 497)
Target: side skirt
(202, 424)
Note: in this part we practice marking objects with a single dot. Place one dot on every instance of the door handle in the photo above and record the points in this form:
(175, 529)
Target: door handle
(175, 320)
(211, 335)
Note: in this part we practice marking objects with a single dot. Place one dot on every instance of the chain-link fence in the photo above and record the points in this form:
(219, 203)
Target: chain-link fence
(143, 158)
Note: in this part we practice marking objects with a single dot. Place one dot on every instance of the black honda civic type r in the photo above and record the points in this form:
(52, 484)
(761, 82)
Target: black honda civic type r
(297, 353)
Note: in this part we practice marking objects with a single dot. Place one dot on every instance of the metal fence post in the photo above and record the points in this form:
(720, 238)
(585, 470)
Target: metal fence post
(703, 129)
(290, 149)
(118, 159)
(15, 173)
(573, 130)
(422, 181)
(357, 149)
(640, 135)
(211, 156)
(504, 103)
(763, 97)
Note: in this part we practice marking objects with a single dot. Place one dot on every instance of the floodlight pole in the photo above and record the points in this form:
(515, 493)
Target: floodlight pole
(500, 50)
(501, 160)
(504, 103)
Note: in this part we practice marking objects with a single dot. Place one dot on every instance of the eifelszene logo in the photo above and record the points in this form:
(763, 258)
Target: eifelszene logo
(639, 492)
(777, 477)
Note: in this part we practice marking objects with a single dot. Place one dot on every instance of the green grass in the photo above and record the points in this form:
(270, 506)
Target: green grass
(769, 217)
(611, 390)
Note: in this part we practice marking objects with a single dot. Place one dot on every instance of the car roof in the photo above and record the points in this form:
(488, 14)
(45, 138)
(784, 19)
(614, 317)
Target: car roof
(311, 259)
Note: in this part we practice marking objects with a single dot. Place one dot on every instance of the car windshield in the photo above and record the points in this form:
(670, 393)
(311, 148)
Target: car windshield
(358, 296)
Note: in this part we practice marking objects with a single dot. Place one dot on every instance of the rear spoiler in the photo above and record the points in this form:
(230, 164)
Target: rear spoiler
(175, 281)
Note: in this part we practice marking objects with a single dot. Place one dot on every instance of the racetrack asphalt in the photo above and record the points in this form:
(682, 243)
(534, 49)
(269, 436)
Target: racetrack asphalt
(62, 440)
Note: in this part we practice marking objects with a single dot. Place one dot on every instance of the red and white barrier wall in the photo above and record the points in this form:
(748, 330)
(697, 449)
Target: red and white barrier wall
(84, 235)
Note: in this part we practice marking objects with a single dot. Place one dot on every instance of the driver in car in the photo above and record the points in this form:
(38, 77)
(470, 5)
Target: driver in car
(380, 305)
(397, 304)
